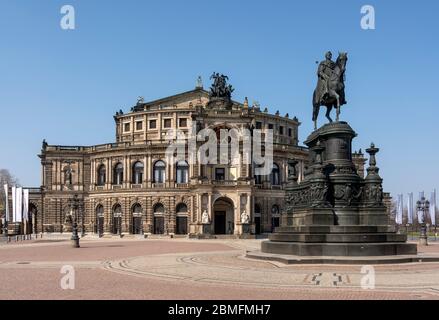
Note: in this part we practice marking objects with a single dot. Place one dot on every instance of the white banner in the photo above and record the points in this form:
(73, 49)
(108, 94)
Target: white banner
(25, 205)
(399, 209)
(433, 208)
(14, 203)
(19, 204)
(6, 188)
(410, 209)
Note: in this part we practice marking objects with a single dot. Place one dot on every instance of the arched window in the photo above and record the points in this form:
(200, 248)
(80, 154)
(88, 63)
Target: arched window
(275, 210)
(181, 208)
(258, 177)
(137, 209)
(117, 211)
(159, 173)
(118, 174)
(182, 172)
(100, 211)
(275, 175)
(137, 173)
(159, 209)
(102, 175)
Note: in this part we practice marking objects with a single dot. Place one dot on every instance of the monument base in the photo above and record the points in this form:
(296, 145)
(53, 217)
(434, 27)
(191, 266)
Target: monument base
(354, 241)
(335, 215)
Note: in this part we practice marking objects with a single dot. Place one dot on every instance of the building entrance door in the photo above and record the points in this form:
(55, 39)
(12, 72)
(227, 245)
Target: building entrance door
(220, 222)
(181, 225)
(137, 225)
(117, 224)
(258, 225)
(100, 226)
(159, 225)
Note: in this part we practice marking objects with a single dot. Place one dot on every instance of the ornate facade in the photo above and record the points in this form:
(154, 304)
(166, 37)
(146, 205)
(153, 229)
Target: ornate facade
(128, 187)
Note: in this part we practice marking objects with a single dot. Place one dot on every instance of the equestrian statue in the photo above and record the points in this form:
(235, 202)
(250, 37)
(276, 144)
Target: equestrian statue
(330, 86)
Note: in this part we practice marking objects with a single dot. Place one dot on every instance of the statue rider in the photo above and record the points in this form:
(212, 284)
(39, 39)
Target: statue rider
(324, 73)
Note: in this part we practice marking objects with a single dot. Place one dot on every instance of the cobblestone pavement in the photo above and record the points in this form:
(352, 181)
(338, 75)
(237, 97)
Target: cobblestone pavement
(195, 269)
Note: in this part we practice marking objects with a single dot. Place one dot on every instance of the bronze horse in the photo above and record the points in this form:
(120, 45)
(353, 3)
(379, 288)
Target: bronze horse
(334, 96)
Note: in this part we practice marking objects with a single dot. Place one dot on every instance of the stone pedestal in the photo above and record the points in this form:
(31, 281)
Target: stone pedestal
(243, 228)
(206, 229)
(423, 241)
(334, 211)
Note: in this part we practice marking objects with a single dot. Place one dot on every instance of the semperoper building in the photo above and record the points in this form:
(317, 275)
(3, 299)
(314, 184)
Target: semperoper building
(127, 186)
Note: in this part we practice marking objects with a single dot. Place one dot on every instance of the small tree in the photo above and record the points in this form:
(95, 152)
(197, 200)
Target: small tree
(5, 178)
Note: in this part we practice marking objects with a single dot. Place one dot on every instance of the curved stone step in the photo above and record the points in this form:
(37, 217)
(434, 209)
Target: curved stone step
(369, 260)
(336, 229)
(338, 249)
(338, 237)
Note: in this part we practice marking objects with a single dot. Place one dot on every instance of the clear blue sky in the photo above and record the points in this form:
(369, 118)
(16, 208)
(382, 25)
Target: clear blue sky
(66, 85)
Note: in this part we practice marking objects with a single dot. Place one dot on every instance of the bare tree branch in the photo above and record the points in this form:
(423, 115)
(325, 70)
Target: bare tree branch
(6, 178)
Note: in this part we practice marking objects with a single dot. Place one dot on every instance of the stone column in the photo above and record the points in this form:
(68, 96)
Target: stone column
(125, 216)
(144, 203)
(249, 207)
(149, 171)
(107, 215)
(193, 213)
(109, 165)
(145, 172)
(125, 172)
(171, 178)
(199, 208)
(128, 172)
(93, 174)
(172, 216)
(237, 215)
(145, 129)
(132, 128)
(209, 206)
(149, 215)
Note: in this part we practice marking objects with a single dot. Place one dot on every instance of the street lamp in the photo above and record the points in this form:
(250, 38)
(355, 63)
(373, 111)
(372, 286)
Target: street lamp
(82, 222)
(74, 205)
(423, 207)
